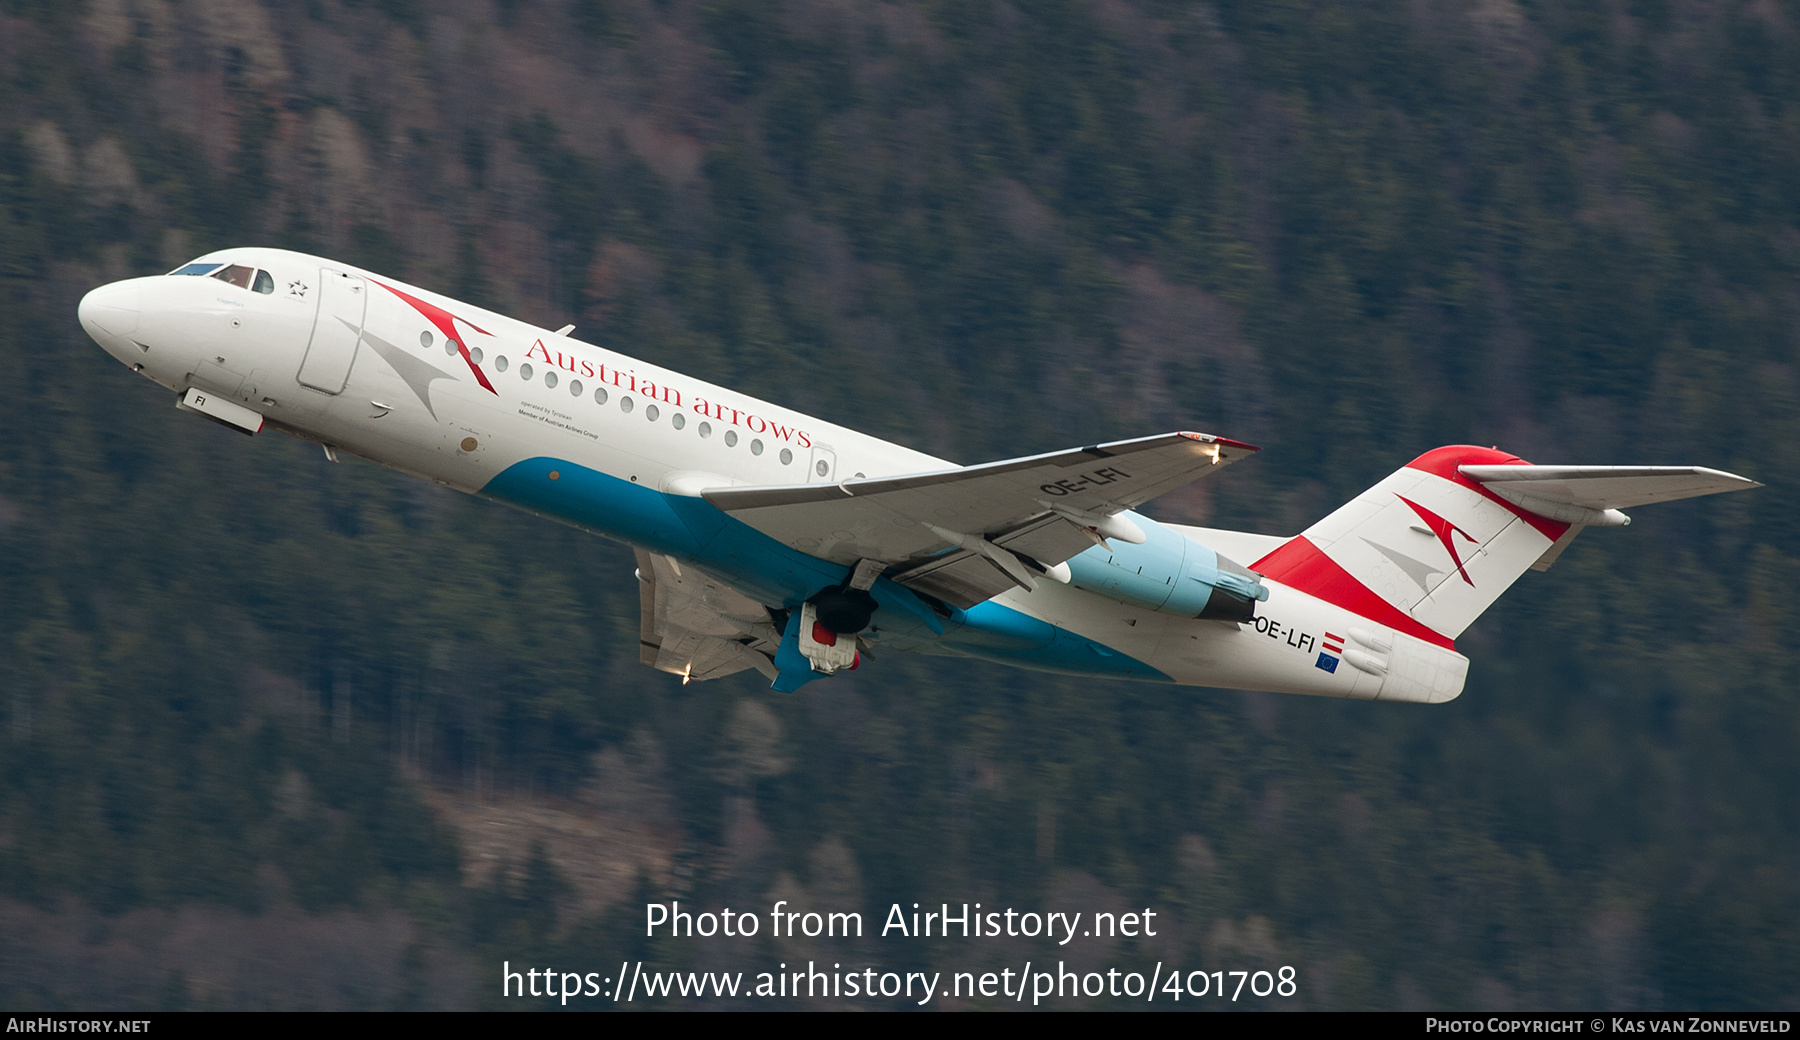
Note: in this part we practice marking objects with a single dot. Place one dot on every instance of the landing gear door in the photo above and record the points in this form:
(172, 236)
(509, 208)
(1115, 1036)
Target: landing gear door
(823, 469)
(336, 331)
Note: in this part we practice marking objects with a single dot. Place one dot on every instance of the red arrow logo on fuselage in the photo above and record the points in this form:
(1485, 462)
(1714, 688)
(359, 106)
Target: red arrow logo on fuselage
(1443, 529)
(446, 324)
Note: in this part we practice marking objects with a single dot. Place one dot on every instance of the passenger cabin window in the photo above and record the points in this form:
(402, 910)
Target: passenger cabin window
(196, 269)
(238, 275)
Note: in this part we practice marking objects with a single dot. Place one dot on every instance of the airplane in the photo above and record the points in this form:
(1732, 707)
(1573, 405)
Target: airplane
(771, 540)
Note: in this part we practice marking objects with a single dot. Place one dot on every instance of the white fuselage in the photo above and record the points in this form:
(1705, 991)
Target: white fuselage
(461, 395)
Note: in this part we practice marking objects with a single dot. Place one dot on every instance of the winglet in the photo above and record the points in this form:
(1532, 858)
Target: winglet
(1224, 442)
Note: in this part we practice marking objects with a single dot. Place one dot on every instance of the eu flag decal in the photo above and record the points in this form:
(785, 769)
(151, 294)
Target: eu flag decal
(1328, 663)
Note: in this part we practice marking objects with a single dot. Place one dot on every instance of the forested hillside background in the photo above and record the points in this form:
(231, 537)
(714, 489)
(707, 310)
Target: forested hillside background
(280, 733)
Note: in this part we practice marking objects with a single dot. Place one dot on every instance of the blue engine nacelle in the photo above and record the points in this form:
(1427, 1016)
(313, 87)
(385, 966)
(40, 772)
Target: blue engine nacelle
(1169, 573)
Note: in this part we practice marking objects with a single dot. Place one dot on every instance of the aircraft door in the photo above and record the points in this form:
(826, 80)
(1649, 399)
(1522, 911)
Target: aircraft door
(336, 332)
(823, 468)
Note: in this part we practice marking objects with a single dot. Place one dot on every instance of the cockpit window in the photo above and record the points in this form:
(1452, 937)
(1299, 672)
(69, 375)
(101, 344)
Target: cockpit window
(196, 269)
(236, 274)
(263, 284)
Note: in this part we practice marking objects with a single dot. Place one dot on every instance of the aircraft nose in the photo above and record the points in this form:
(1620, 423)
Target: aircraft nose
(111, 310)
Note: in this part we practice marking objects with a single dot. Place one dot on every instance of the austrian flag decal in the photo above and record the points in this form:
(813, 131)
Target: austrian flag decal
(1328, 661)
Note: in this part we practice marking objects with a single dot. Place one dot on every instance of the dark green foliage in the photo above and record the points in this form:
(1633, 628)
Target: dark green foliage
(373, 247)
(576, 196)
(475, 156)
(595, 21)
(410, 13)
(749, 38)
(1347, 231)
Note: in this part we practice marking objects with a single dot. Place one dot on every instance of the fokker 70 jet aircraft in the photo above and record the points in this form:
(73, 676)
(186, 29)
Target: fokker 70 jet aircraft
(768, 539)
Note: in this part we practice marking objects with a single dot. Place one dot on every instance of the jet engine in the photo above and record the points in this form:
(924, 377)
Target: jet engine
(1171, 574)
(845, 611)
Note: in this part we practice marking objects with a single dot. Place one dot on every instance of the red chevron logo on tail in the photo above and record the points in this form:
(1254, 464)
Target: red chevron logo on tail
(1443, 529)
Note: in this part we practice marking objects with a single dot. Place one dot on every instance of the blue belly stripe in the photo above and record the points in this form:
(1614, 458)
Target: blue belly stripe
(693, 531)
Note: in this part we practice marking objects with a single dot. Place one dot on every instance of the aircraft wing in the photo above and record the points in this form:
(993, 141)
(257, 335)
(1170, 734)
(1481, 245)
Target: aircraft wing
(967, 534)
(698, 627)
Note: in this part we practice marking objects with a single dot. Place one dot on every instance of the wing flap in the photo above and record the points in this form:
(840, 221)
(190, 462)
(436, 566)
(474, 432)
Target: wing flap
(1049, 540)
(960, 578)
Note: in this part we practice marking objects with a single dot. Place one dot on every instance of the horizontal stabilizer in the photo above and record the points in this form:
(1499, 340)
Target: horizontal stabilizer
(1584, 494)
